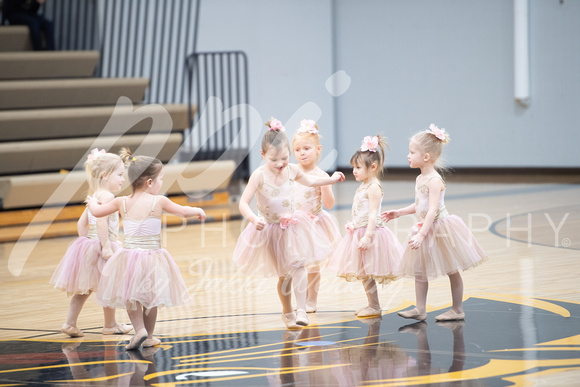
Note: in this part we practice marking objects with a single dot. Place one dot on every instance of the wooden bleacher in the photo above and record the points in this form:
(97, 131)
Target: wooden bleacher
(53, 112)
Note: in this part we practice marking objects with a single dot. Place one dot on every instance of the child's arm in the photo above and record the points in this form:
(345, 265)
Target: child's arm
(435, 187)
(327, 196)
(100, 210)
(103, 228)
(246, 199)
(394, 214)
(316, 181)
(184, 211)
(83, 224)
(375, 194)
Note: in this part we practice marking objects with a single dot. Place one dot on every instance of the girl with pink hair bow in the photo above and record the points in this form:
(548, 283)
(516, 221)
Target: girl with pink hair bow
(281, 240)
(369, 252)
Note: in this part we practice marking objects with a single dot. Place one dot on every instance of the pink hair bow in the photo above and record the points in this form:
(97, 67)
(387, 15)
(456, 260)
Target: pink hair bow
(95, 153)
(370, 144)
(307, 126)
(434, 130)
(287, 220)
(276, 125)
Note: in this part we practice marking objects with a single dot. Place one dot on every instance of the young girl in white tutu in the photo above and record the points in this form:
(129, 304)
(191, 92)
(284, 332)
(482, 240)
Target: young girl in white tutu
(369, 251)
(142, 276)
(79, 271)
(281, 240)
(306, 147)
(439, 244)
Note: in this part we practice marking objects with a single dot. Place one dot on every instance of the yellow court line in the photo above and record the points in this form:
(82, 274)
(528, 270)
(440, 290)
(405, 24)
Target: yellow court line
(75, 365)
(572, 340)
(101, 379)
(527, 379)
(527, 301)
(537, 349)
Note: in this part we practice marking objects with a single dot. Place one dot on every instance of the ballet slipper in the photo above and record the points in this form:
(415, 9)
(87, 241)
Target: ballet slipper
(138, 339)
(450, 315)
(71, 331)
(310, 306)
(452, 325)
(301, 317)
(413, 328)
(151, 342)
(290, 320)
(360, 310)
(291, 335)
(148, 352)
(370, 312)
(118, 329)
(413, 313)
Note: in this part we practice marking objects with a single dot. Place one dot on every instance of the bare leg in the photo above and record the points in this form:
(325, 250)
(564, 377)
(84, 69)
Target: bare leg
(136, 316)
(284, 292)
(313, 286)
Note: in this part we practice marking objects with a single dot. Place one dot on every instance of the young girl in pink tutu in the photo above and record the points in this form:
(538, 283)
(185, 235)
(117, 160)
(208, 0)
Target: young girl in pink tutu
(369, 251)
(79, 271)
(306, 147)
(439, 244)
(142, 276)
(281, 240)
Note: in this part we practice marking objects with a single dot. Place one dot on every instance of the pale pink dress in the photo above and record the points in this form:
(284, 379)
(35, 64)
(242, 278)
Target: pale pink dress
(381, 260)
(309, 200)
(449, 245)
(289, 240)
(79, 270)
(142, 271)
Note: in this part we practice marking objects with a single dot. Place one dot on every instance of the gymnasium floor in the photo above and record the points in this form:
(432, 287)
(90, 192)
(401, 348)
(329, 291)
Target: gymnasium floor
(522, 325)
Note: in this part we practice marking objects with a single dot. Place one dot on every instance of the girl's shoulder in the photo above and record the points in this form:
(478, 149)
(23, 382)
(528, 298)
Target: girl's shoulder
(375, 187)
(104, 196)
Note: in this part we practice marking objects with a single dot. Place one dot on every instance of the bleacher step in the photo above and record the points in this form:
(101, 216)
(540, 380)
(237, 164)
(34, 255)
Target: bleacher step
(48, 64)
(15, 38)
(70, 92)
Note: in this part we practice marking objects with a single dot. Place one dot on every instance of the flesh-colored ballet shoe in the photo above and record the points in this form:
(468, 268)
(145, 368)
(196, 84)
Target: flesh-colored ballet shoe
(290, 320)
(369, 312)
(413, 314)
(413, 328)
(71, 331)
(137, 340)
(118, 329)
(310, 306)
(151, 342)
(360, 310)
(450, 315)
(301, 317)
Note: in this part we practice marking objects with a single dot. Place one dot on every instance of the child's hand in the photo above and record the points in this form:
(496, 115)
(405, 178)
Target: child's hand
(260, 223)
(416, 241)
(338, 176)
(106, 253)
(201, 215)
(365, 242)
(389, 215)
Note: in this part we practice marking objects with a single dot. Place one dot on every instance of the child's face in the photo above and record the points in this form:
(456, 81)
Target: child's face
(156, 184)
(276, 159)
(306, 151)
(415, 156)
(360, 171)
(114, 182)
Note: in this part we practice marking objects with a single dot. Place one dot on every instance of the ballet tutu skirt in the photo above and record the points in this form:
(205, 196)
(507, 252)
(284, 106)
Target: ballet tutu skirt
(380, 261)
(79, 270)
(148, 277)
(448, 247)
(280, 248)
(329, 227)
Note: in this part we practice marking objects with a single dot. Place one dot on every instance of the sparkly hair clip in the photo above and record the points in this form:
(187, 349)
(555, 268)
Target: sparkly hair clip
(95, 153)
(308, 126)
(439, 133)
(369, 144)
(274, 124)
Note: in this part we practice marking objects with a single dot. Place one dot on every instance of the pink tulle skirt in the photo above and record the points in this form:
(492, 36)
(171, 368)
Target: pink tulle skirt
(278, 251)
(79, 270)
(329, 227)
(380, 261)
(148, 277)
(448, 247)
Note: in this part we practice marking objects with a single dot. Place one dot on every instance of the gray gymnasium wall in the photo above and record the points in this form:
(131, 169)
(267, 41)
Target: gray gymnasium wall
(411, 62)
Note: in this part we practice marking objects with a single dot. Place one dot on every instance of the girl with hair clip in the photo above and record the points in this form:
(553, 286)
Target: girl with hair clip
(369, 251)
(79, 271)
(281, 240)
(439, 244)
(142, 276)
(306, 147)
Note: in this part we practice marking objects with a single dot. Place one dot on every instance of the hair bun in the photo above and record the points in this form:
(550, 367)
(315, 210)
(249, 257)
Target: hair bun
(274, 124)
(440, 134)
